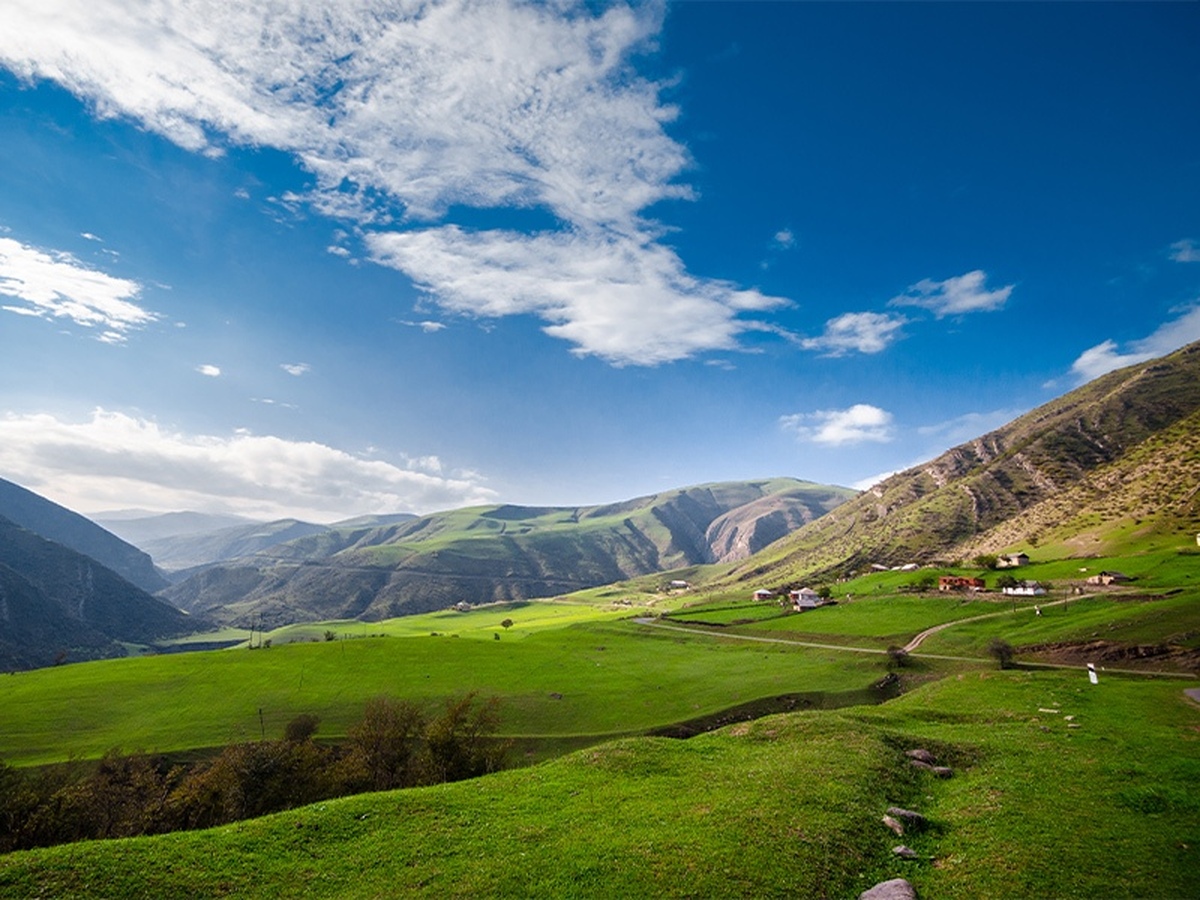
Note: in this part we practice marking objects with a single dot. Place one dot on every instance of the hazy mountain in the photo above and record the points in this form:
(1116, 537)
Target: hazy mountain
(188, 551)
(57, 523)
(137, 528)
(503, 552)
(1118, 454)
(57, 604)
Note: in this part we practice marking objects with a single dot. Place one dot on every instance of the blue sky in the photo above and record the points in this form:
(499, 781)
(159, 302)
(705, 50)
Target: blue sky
(332, 259)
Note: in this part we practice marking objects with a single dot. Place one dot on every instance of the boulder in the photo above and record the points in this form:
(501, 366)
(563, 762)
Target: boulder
(923, 755)
(920, 764)
(943, 771)
(896, 889)
(905, 852)
(896, 825)
(907, 817)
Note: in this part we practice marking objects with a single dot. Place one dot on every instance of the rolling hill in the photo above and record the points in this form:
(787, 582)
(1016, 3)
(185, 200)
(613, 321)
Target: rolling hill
(493, 553)
(1118, 458)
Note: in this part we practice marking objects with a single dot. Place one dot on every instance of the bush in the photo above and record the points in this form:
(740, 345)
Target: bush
(1002, 651)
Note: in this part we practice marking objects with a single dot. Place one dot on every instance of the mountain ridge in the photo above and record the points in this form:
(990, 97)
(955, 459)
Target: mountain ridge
(959, 502)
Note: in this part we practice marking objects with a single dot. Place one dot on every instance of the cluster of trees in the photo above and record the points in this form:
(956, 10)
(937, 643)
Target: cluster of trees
(395, 744)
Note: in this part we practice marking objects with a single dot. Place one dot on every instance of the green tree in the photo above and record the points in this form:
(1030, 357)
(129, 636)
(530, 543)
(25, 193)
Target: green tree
(1002, 651)
(384, 744)
(986, 560)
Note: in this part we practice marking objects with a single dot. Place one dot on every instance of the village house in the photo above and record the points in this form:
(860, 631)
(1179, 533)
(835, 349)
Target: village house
(1109, 578)
(805, 598)
(960, 583)
(1012, 561)
(1025, 589)
(764, 594)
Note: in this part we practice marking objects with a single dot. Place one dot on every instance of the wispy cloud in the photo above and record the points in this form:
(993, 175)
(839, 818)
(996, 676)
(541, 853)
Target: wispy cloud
(836, 427)
(426, 325)
(114, 460)
(402, 112)
(785, 239)
(954, 296)
(209, 370)
(612, 296)
(1185, 251)
(296, 369)
(1107, 355)
(55, 285)
(864, 332)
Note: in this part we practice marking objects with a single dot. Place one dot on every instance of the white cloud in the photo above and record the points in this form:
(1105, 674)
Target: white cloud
(1185, 251)
(55, 285)
(835, 427)
(115, 461)
(1168, 337)
(426, 325)
(209, 371)
(485, 103)
(620, 298)
(954, 296)
(785, 239)
(866, 332)
(88, 236)
(296, 369)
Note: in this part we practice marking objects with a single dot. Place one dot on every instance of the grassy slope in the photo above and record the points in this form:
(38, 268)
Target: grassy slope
(786, 806)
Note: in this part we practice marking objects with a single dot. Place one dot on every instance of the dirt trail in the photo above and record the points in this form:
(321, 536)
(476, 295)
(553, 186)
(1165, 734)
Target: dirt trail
(920, 638)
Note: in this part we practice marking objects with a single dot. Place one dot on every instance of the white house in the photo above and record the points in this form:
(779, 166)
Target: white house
(805, 598)
(763, 594)
(1025, 589)
(1012, 561)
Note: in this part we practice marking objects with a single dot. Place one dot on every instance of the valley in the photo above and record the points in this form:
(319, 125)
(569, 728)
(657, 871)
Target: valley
(675, 725)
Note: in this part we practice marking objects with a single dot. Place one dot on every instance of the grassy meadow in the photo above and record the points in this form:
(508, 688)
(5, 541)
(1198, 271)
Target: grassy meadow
(1061, 789)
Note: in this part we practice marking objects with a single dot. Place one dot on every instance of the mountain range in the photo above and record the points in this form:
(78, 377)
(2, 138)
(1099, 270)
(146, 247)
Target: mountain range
(1111, 465)
(492, 553)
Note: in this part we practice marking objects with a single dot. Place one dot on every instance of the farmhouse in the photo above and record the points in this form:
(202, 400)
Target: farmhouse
(763, 594)
(1012, 561)
(959, 583)
(1025, 589)
(1109, 578)
(805, 598)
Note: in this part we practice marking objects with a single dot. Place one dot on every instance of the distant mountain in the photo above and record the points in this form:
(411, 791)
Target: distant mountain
(137, 528)
(57, 604)
(1119, 456)
(57, 523)
(188, 551)
(494, 553)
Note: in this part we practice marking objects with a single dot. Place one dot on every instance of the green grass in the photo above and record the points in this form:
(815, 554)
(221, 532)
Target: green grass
(1117, 617)
(612, 678)
(785, 806)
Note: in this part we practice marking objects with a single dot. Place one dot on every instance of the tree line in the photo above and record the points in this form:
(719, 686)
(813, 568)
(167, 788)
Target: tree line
(395, 744)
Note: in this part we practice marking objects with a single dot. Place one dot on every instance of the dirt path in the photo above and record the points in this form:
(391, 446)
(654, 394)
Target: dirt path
(920, 638)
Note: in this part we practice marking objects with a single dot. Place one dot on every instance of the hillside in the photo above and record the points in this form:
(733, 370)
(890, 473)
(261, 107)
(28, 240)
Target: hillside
(58, 605)
(1118, 454)
(496, 553)
(61, 525)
